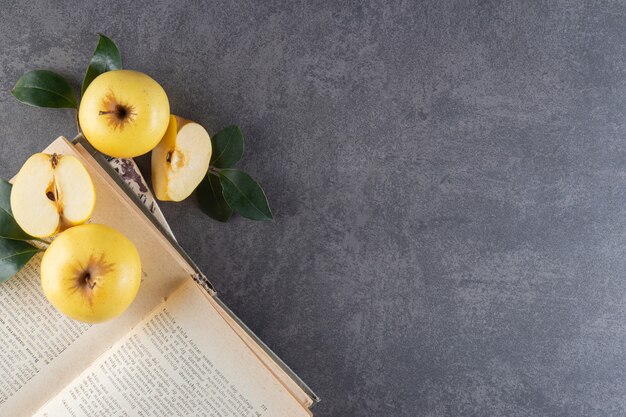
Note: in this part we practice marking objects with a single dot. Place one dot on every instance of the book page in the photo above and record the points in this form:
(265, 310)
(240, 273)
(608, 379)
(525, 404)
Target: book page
(299, 394)
(183, 360)
(33, 333)
(42, 350)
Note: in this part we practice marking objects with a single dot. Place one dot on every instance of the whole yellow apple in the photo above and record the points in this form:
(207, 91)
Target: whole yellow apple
(91, 273)
(124, 113)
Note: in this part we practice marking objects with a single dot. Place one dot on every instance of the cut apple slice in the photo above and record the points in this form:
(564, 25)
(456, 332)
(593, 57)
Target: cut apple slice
(52, 193)
(181, 160)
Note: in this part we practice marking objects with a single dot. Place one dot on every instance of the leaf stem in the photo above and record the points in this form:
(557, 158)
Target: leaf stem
(40, 244)
(77, 124)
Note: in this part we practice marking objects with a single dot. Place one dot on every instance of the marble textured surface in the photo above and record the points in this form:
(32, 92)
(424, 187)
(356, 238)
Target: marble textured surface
(448, 180)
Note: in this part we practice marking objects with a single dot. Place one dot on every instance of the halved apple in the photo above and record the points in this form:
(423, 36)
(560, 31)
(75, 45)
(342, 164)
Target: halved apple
(181, 160)
(52, 193)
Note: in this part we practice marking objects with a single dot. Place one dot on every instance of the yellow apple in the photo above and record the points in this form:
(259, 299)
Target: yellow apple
(52, 193)
(124, 113)
(181, 160)
(91, 273)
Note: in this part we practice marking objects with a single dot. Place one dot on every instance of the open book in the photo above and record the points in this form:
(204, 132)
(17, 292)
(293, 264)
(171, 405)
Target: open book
(177, 350)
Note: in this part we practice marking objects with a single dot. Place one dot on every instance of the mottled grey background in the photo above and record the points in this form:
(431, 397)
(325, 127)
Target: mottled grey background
(448, 181)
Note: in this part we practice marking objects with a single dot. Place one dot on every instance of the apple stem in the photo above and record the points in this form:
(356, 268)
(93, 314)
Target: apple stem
(54, 160)
(87, 278)
(120, 111)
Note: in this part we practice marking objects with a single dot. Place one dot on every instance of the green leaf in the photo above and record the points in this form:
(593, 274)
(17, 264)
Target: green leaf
(227, 147)
(8, 226)
(5, 195)
(43, 88)
(244, 195)
(14, 254)
(211, 199)
(105, 58)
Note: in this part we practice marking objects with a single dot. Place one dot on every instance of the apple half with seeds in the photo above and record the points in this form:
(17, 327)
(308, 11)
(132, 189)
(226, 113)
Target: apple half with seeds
(52, 193)
(181, 160)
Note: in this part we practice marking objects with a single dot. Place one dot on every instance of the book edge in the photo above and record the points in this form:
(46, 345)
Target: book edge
(288, 371)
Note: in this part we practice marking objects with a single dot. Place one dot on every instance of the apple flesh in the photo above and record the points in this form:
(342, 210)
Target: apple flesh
(181, 160)
(52, 193)
(91, 273)
(124, 113)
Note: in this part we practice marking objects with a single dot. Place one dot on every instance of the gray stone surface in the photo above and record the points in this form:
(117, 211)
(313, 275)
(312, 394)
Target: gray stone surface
(448, 179)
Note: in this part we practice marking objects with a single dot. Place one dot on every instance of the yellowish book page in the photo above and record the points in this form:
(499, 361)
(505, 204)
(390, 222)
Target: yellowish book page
(42, 351)
(183, 360)
(299, 394)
